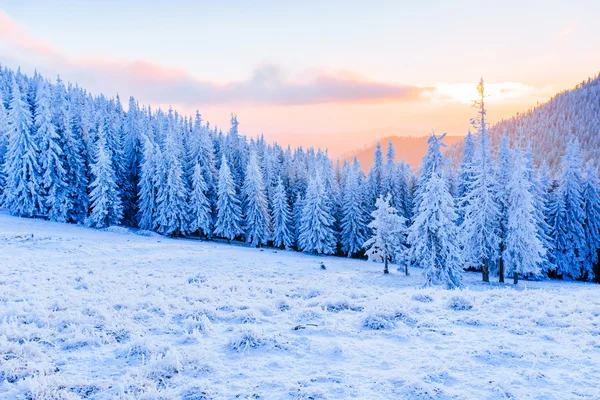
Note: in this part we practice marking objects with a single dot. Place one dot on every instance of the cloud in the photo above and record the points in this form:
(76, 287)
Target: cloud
(151, 82)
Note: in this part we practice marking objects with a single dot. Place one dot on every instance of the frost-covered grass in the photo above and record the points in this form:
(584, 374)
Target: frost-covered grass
(102, 315)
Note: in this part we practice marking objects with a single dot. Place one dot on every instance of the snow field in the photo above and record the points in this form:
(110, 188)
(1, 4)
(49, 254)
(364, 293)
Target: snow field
(111, 314)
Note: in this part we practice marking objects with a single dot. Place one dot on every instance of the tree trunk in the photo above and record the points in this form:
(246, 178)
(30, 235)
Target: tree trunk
(485, 273)
(406, 268)
(515, 278)
(385, 268)
(501, 266)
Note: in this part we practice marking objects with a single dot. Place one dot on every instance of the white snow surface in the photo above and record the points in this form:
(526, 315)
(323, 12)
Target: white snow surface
(110, 314)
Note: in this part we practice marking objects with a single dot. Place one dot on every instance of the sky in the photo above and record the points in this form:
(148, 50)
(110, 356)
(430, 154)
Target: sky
(344, 72)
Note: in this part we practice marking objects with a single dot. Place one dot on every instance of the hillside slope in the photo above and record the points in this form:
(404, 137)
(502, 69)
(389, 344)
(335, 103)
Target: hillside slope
(107, 314)
(573, 113)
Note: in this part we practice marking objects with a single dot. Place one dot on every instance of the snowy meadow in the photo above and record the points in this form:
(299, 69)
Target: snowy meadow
(118, 313)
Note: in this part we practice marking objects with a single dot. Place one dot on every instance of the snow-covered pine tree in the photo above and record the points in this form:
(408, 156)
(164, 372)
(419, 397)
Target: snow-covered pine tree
(503, 177)
(316, 223)
(354, 225)
(433, 236)
(282, 221)
(54, 176)
(106, 206)
(389, 231)
(147, 185)
(201, 215)
(591, 210)
(132, 134)
(257, 221)
(228, 205)
(375, 177)
(3, 143)
(171, 195)
(23, 191)
(465, 176)
(390, 177)
(406, 203)
(568, 216)
(480, 232)
(523, 250)
(545, 186)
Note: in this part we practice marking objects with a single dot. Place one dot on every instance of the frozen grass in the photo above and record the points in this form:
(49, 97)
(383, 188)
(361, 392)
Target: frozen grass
(110, 314)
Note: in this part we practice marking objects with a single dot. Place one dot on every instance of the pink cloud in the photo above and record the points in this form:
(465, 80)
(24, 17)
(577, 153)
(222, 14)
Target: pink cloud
(152, 82)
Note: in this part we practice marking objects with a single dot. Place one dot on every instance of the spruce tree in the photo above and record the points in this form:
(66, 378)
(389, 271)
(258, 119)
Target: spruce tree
(54, 179)
(106, 206)
(282, 221)
(389, 229)
(523, 250)
(465, 176)
(23, 192)
(354, 225)
(4, 129)
(433, 236)
(503, 176)
(200, 219)
(591, 210)
(228, 224)
(147, 185)
(257, 221)
(316, 224)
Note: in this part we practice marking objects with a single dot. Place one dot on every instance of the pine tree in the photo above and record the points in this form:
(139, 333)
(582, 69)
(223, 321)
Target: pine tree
(480, 231)
(201, 219)
(503, 177)
(523, 250)
(282, 221)
(568, 217)
(23, 192)
(106, 206)
(433, 236)
(257, 220)
(354, 225)
(316, 224)
(387, 243)
(591, 209)
(390, 176)
(147, 186)
(171, 195)
(228, 204)
(131, 152)
(54, 179)
(4, 130)
(376, 176)
(465, 176)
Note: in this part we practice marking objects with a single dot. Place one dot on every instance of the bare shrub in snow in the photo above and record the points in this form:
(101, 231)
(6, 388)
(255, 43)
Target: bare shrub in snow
(459, 303)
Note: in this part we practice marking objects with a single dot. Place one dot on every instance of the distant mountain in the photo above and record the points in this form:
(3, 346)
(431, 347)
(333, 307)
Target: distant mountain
(410, 148)
(550, 126)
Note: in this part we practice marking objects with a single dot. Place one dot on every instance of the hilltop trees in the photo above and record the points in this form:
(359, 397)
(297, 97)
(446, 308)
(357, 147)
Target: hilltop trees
(229, 214)
(257, 220)
(316, 222)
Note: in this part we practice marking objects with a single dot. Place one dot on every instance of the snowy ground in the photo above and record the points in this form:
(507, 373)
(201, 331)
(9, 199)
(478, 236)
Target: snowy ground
(99, 315)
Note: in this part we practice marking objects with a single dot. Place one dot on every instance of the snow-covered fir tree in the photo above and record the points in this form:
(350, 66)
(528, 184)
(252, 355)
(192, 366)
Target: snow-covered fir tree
(480, 230)
(257, 221)
(354, 223)
(54, 176)
(523, 250)
(465, 176)
(503, 176)
(229, 214)
(23, 191)
(200, 211)
(105, 208)
(591, 211)
(375, 178)
(316, 223)
(568, 217)
(433, 236)
(171, 196)
(147, 185)
(389, 230)
(282, 220)
(3, 143)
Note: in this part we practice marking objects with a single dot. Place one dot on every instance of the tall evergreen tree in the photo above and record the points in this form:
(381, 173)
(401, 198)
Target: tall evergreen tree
(282, 221)
(4, 130)
(171, 195)
(228, 224)
(316, 224)
(201, 216)
(257, 220)
(147, 185)
(465, 176)
(375, 178)
(23, 192)
(503, 176)
(387, 243)
(480, 231)
(591, 210)
(354, 225)
(523, 250)
(106, 206)
(54, 179)
(568, 217)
